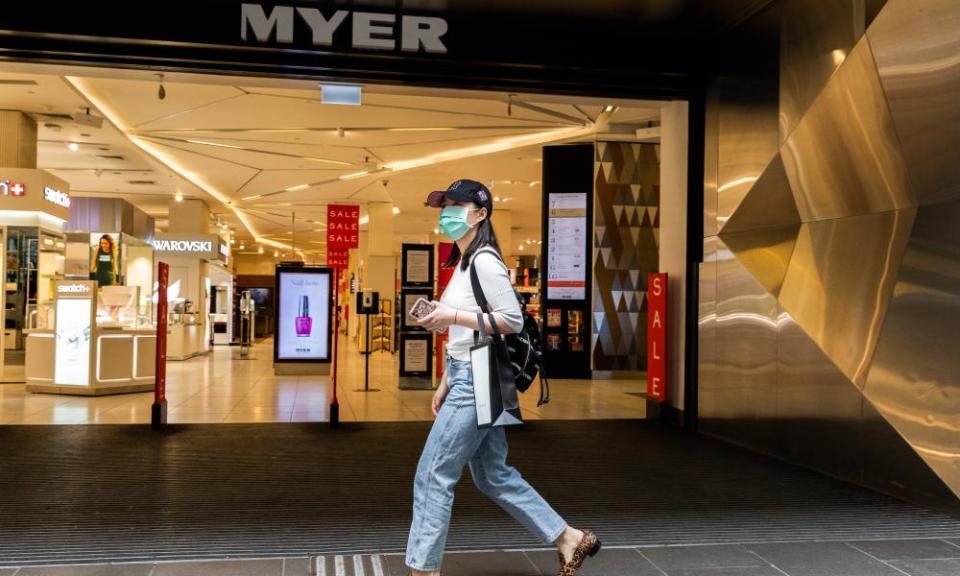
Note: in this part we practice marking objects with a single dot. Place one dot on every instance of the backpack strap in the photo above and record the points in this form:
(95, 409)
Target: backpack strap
(480, 298)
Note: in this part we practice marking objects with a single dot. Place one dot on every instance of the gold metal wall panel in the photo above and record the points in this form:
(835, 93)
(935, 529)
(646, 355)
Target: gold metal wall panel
(817, 405)
(840, 280)
(769, 202)
(710, 159)
(916, 46)
(746, 344)
(843, 158)
(748, 139)
(914, 380)
(707, 328)
(765, 253)
(816, 36)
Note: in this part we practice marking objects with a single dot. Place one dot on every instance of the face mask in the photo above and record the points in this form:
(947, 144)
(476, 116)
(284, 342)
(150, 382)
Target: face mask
(453, 222)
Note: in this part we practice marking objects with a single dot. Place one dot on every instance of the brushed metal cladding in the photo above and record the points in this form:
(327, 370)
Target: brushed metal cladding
(818, 408)
(747, 139)
(839, 281)
(916, 46)
(746, 344)
(843, 158)
(765, 253)
(710, 159)
(769, 202)
(707, 327)
(815, 38)
(914, 380)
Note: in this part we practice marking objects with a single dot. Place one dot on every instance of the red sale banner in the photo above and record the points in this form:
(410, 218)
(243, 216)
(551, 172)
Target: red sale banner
(338, 258)
(657, 336)
(343, 226)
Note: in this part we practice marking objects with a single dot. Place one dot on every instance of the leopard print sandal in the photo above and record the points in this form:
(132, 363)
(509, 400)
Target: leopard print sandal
(589, 545)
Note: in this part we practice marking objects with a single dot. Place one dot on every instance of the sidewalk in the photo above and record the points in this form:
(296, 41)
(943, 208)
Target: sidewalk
(928, 557)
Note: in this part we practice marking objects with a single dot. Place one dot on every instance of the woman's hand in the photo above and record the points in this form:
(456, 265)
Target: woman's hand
(440, 395)
(438, 320)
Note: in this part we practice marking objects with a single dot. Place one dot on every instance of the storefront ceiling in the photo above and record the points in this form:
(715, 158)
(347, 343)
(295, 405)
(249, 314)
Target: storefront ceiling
(246, 145)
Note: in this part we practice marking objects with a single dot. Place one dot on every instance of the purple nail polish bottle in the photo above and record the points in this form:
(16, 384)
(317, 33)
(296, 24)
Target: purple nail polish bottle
(304, 323)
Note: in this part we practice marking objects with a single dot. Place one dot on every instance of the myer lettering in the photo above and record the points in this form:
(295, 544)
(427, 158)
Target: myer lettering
(183, 245)
(369, 30)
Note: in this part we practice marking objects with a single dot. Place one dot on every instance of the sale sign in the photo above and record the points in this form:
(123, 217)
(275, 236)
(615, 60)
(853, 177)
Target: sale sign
(657, 336)
(343, 226)
(338, 258)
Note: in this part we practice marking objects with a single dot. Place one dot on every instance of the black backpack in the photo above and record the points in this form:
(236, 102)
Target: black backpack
(526, 353)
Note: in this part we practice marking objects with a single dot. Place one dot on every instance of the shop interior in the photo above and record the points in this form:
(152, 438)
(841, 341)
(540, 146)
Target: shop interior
(255, 162)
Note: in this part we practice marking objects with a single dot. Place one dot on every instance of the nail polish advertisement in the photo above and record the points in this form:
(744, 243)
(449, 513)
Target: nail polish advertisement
(303, 319)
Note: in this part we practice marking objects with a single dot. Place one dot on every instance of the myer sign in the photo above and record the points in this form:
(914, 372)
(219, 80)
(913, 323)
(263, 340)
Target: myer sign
(369, 30)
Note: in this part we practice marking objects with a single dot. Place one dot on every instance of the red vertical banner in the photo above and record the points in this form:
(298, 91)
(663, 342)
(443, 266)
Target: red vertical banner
(657, 336)
(158, 412)
(343, 227)
(337, 258)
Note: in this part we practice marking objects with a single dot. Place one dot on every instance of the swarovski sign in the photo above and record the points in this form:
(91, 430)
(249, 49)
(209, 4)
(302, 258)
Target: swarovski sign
(183, 245)
(369, 30)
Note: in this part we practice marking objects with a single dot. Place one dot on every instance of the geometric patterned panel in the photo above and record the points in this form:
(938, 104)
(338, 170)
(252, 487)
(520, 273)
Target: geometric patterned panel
(625, 248)
(920, 74)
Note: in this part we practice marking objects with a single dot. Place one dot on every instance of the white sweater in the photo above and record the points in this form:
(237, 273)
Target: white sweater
(498, 291)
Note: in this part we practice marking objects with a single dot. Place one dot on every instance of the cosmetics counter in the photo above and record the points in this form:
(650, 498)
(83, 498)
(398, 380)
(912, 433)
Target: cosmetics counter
(96, 343)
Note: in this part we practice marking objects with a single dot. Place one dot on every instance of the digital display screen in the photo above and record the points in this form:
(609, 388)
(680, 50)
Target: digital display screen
(72, 365)
(303, 318)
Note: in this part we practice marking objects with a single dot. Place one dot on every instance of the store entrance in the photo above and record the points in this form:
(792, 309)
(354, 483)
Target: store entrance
(238, 176)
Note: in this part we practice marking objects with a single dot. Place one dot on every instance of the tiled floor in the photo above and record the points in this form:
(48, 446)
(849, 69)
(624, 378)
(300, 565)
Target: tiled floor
(876, 558)
(220, 387)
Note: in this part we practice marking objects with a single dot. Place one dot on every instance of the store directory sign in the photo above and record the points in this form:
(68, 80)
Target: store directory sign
(73, 331)
(303, 315)
(567, 258)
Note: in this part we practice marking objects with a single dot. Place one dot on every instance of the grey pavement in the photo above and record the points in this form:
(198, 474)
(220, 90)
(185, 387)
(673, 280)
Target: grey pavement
(914, 557)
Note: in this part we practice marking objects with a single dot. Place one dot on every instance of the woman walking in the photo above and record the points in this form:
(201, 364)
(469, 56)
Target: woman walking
(454, 439)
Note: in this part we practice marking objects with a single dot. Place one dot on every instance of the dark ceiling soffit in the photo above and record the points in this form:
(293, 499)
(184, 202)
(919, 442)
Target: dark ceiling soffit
(317, 65)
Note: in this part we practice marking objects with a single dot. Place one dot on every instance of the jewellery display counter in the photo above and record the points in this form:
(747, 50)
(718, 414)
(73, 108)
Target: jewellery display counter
(185, 331)
(92, 350)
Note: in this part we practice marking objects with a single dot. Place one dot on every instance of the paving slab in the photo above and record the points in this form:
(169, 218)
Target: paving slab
(928, 567)
(626, 561)
(272, 567)
(925, 549)
(87, 570)
(674, 558)
(821, 559)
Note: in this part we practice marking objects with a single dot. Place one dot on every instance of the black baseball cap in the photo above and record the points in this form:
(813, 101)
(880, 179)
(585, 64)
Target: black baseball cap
(463, 191)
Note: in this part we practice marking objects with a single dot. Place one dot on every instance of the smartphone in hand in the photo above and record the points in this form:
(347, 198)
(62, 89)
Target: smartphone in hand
(421, 308)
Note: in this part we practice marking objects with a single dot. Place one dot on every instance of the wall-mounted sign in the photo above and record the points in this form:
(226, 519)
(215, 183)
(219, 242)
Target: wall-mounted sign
(657, 336)
(36, 191)
(183, 245)
(343, 226)
(368, 30)
(56, 196)
(206, 246)
(224, 250)
(8, 188)
(567, 258)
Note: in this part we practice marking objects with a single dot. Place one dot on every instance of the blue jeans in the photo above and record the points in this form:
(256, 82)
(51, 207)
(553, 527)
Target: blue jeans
(454, 441)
